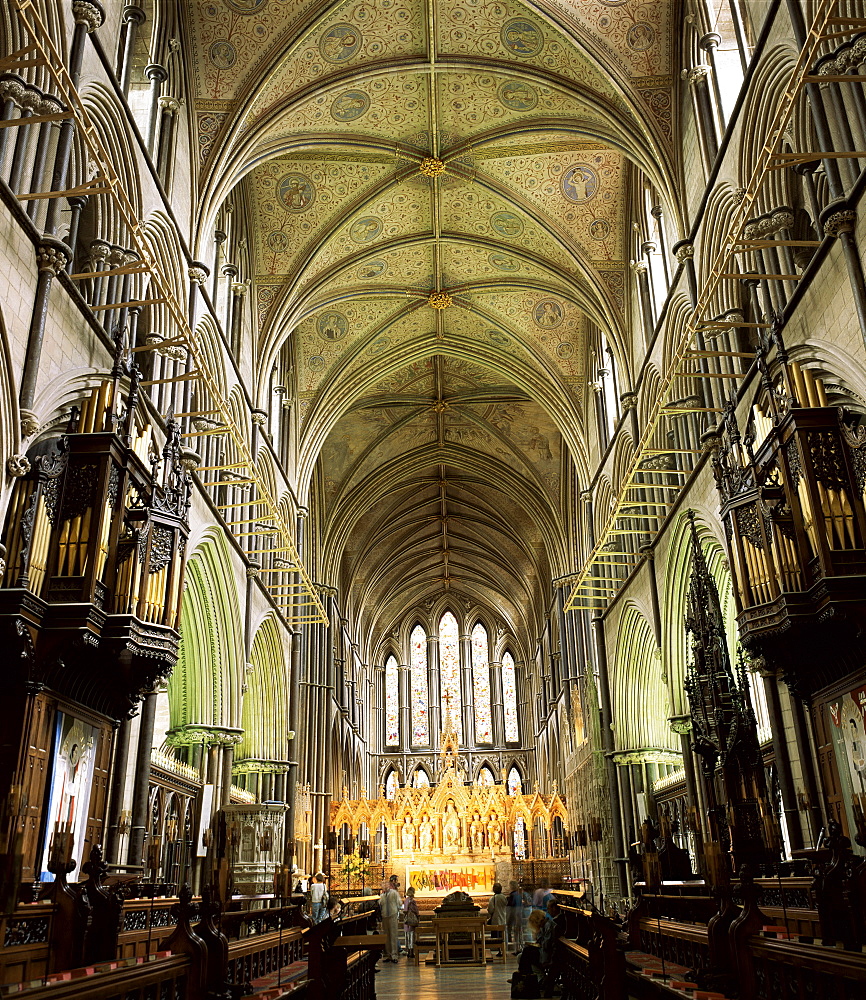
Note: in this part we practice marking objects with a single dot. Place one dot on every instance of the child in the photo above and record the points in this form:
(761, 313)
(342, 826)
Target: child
(411, 919)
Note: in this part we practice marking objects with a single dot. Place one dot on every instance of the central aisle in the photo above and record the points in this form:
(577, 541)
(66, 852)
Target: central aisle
(405, 981)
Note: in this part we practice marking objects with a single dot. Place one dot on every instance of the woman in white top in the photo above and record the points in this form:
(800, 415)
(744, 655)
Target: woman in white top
(319, 899)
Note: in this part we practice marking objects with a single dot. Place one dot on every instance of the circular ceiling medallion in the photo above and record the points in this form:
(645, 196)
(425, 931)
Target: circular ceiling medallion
(640, 36)
(296, 191)
(579, 183)
(350, 105)
(502, 262)
(245, 6)
(372, 269)
(379, 345)
(278, 241)
(316, 363)
(599, 229)
(521, 37)
(507, 224)
(517, 96)
(340, 43)
(366, 229)
(332, 326)
(565, 351)
(548, 314)
(222, 54)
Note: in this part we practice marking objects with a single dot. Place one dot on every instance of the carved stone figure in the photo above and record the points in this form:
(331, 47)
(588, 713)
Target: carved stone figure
(476, 833)
(426, 835)
(494, 832)
(407, 836)
(451, 829)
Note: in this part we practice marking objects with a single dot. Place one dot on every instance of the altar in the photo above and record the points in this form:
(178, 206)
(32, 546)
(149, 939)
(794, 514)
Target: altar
(450, 835)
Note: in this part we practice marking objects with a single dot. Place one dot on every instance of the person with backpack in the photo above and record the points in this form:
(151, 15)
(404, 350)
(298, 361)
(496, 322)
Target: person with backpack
(411, 919)
(514, 917)
(319, 899)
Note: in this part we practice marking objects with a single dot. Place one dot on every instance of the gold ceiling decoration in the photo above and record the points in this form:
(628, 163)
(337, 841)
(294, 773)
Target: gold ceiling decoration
(432, 166)
(439, 300)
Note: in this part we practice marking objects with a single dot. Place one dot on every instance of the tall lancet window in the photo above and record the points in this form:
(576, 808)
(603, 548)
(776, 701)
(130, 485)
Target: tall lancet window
(481, 685)
(449, 669)
(509, 698)
(420, 698)
(392, 703)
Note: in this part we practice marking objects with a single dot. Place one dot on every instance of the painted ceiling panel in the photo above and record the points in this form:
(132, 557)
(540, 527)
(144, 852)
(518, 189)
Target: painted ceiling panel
(482, 153)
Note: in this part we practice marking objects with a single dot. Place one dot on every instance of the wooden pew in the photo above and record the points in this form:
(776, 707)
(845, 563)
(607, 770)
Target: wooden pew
(588, 957)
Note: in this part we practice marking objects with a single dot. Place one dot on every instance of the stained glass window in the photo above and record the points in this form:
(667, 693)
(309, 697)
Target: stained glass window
(420, 779)
(449, 669)
(485, 777)
(509, 699)
(392, 703)
(481, 685)
(391, 786)
(418, 663)
(515, 782)
(520, 839)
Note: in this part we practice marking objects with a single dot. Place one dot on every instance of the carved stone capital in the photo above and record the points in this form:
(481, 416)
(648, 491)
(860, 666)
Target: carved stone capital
(840, 222)
(681, 724)
(240, 288)
(229, 270)
(190, 459)
(49, 105)
(52, 255)
(156, 73)
(29, 423)
(13, 88)
(90, 13)
(695, 75)
(31, 100)
(133, 15)
(628, 400)
(253, 570)
(639, 266)
(684, 250)
(169, 104)
(259, 417)
(17, 465)
(198, 272)
(711, 40)
(585, 496)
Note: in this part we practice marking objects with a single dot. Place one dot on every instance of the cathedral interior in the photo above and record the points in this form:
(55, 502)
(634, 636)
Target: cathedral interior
(433, 446)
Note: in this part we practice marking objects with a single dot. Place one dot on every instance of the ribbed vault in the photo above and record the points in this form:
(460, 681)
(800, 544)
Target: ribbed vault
(437, 197)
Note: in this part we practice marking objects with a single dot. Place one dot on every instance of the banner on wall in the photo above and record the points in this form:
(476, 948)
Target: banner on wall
(71, 782)
(438, 880)
(848, 715)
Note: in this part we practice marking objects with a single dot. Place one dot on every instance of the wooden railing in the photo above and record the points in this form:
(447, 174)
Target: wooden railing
(592, 964)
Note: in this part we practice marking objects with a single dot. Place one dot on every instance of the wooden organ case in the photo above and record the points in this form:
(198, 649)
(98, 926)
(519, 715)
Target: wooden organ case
(89, 606)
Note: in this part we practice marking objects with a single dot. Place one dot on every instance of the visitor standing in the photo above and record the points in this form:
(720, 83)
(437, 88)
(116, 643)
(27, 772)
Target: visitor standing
(411, 919)
(389, 906)
(514, 917)
(319, 899)
(497, 907)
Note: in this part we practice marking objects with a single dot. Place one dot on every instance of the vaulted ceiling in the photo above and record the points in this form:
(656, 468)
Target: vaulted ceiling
(440, 201)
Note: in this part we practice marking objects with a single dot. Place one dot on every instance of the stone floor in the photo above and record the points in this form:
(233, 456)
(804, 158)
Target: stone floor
(406, 981)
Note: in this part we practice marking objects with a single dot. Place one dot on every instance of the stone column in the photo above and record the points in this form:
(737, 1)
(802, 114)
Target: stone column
(697, 79)
(783, 763)
(157, 75)
(133, 18)
(607, 743)
(640, 269)
(142, 780)
(841, 222)
(467, 692)
(405, 708)
(52, 257)
(89, 15)
(497, 703)
(239, 289)
(434, 690)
